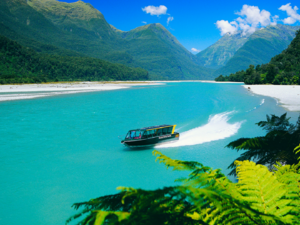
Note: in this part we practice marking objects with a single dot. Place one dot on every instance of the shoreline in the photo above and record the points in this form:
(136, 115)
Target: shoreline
(287, 95)
(29, 91)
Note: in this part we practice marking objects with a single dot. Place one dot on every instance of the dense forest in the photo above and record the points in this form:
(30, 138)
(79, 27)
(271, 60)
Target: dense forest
(267, 191)
(19, 64)
(282, 69)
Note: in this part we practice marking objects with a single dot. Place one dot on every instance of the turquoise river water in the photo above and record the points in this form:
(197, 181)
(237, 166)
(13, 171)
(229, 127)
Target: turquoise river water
(59, 150)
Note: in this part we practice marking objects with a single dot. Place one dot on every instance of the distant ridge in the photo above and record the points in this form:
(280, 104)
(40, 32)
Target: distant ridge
(237, 51)
(260, 47)
(218, 54)
(283, 69)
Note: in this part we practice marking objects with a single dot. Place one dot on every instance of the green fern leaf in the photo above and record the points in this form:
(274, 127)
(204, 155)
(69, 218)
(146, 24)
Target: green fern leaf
(297, 150)
(263, 191)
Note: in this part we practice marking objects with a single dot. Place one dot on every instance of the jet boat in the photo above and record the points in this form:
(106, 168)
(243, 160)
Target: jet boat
(150, 136)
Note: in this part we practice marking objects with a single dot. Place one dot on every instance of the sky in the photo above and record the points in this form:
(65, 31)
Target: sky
(197, 24)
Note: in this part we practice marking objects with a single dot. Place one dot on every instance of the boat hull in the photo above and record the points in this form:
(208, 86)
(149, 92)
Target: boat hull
(150, 142)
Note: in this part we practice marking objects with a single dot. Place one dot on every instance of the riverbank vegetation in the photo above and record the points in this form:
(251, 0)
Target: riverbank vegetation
(19, 64)
(282, 69)
(262, 195)
(276, 146)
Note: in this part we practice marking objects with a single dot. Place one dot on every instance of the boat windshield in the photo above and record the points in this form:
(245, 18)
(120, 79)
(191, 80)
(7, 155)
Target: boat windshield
(158, 132)
(134, 134)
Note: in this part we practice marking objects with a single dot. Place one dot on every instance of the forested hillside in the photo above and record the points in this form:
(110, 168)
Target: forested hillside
(78, 29)
(20, 64)
(282, 69)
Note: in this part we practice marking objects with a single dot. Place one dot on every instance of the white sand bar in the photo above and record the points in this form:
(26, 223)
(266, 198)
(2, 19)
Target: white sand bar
(287, 95)
(29, 91)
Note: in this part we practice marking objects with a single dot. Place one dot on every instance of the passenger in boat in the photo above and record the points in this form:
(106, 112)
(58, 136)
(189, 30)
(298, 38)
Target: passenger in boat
(132, 135)
(139, 137)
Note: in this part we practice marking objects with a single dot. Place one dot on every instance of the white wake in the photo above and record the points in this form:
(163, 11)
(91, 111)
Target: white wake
(217, 128)
(261, 103)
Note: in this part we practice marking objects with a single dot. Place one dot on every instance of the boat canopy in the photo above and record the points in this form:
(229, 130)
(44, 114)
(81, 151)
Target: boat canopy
(148, 132)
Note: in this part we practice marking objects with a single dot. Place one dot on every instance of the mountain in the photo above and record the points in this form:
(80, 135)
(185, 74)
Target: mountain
(259, 48)
(283, 68)
(218, 54)
(79, 29)
(158, 51)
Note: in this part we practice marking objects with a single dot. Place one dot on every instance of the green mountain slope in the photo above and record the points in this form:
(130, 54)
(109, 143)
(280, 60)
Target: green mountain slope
(158, 51)
(218, 54)
(81, 29)
(20, 64)
(260, 47)
(74, 17)
(20, 21)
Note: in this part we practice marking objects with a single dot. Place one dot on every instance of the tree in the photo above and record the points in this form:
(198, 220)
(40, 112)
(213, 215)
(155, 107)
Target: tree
(258, 68)
(271, 73)
(276, 146)
(220, 78)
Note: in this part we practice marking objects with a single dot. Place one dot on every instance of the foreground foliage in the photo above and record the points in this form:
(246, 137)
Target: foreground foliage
(206, 196)
(23, 65)
(277, 146)
(282, 69)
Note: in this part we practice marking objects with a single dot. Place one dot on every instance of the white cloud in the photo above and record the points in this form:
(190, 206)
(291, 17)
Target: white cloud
(195, 50)
(170, 18)
(251, 18)
(225, 27)
(144, 22)
(289, 20)
(155, 10)
(254, 16)
(292, 13)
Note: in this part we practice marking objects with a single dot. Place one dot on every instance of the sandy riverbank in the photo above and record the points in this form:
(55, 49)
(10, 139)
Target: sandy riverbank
(29, 91)
(287, 95)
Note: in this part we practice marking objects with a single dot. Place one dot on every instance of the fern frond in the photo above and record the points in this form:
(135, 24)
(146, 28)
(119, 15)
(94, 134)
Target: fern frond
(200, 174)
(102, 215)
(297, 150)
(289, 175)
(177, 164)
(263, 191)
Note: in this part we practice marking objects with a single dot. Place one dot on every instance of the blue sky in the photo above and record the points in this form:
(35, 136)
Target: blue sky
(194, 22)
